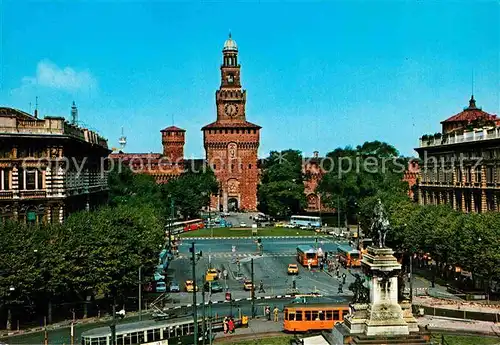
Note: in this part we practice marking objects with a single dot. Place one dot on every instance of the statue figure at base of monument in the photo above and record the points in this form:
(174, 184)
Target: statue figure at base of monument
(380, 223)
(361, 293)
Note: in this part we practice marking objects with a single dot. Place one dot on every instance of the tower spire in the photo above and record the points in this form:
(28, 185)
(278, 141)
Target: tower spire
(36, 107)
(74, 114)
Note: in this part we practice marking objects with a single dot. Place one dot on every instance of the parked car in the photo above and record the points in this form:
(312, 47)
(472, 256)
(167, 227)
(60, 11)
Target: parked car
(161, 287)
(174, 286)
(216, 286)
(243, 225)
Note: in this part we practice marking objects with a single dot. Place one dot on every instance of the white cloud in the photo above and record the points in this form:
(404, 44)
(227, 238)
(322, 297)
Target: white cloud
(50, 75)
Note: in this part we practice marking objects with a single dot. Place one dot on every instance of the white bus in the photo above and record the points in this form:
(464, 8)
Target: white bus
(310, 221)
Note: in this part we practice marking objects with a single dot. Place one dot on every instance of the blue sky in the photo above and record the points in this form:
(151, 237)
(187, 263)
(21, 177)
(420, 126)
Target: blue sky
(318, 74)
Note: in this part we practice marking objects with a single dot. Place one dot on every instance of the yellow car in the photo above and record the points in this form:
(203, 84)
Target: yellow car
(211, 275)
(190, 286)
(293, 269)
(280, 225)
(247, 285)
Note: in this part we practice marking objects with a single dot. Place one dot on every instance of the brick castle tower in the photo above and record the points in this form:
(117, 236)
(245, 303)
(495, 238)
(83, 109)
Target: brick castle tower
(173, 139)
(231, 143)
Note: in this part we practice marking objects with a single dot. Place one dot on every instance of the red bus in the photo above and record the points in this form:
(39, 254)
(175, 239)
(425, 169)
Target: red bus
(307, 254)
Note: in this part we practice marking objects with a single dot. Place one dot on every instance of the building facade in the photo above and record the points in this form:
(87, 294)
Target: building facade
(231, 142)
(461, 165)
(48, 167)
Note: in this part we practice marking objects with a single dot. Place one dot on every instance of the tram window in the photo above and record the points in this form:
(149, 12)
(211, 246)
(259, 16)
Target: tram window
(336, 315)
(157, 334)
(102, 341)
(329, 315)
(322, 315)
(150, 335)
(308, 315)
(119, 339)
(298, 315)
(315, 315)
(95, 341)
(126, 339)
(140, 338)
(291, 316)
(344, 313)
(134, 338)
(286, 314)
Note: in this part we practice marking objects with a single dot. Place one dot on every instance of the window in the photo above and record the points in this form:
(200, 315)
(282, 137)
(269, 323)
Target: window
(315, 315)
(30, 179)
(336, 315)
(329, 314)
(478, 174)
(322, 315)
(157, 334)
(308, 315)
(489, 175)
(344, 313)
(134, 338)
(291, 316)
(286, 314)
(298, 315)
(4, 153)
(4, 179)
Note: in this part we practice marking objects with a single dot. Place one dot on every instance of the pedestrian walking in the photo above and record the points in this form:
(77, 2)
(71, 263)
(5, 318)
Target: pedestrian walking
(344, 276)
(268, 313)
(275, 311)
(338, 272)
(340, 290)
(309, 264)
(225, 325)
(230, 325)
(261, 287)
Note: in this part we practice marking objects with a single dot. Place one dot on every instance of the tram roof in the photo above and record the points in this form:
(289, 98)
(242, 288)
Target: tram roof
(320, 301)
(124, 328)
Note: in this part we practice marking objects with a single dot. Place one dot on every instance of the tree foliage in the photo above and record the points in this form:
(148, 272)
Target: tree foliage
(356, 177)
(191, 191)
(281, 192)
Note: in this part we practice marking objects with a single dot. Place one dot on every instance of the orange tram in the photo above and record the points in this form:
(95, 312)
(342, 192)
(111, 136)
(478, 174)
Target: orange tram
(305, 317)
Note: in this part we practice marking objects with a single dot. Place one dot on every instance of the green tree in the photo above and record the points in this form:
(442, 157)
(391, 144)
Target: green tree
(281, 191)
(191, 191)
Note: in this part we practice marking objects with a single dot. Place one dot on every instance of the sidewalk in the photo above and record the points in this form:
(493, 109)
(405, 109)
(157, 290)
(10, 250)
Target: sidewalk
(255, 326)
(456, 305)
(436, 324)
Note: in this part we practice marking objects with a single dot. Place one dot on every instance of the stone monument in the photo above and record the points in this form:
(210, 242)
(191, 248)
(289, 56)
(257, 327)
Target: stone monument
(379, 316)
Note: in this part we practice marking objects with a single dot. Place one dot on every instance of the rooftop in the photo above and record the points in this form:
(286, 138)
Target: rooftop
(173, 129)
(471, 113)
(15, 122)
(241, 124)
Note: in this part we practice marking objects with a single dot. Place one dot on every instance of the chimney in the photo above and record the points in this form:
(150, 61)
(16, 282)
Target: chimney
(315, 154)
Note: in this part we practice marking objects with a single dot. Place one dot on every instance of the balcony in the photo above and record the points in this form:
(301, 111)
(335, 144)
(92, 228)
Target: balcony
(32, 194)
(4, 195)
(467, 136)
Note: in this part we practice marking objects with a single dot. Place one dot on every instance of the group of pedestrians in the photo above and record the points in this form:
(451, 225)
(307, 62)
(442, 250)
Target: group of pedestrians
(268, 313)
(228, 325)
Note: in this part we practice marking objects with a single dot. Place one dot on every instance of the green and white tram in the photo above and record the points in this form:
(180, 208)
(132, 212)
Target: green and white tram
(151, 332)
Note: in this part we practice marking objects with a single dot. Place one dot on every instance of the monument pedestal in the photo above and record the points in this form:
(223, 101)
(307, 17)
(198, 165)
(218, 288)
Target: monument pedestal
(382, 319)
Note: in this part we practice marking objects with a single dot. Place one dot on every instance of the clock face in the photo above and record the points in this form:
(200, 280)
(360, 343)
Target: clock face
(231, 109)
